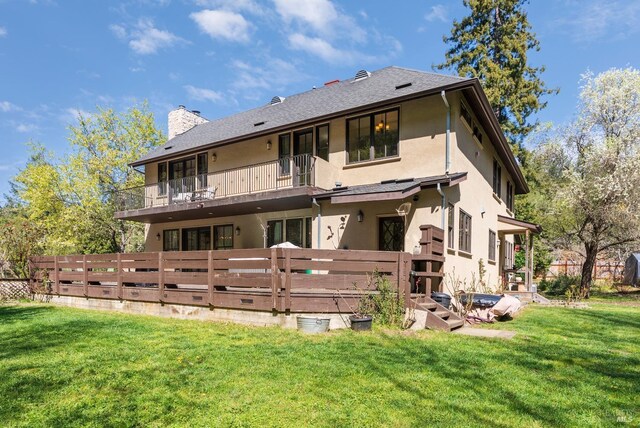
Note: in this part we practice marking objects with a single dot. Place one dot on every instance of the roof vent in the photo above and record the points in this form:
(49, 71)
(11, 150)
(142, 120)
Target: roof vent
(331, 82)
(404, 85)
(168, 147)
(258, 123)
(276, 100)
(362, 74)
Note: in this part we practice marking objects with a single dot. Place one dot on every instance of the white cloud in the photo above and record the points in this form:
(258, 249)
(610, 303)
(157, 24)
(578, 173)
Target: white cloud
(72, 114)
(322, 16)
(3, 31)
(598, 20)
(274, 77)
(322, 49)
(144, 38)
(249, 6)
(437, 13)
(118, 30)
(202, 94)
(6, 106)
(26, 127)
(222, 24)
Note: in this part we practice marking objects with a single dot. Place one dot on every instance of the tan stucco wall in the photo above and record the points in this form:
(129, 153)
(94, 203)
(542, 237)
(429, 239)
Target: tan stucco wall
(421, 154)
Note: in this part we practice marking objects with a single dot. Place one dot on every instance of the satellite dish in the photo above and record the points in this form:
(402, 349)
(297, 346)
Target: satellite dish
(403, 210)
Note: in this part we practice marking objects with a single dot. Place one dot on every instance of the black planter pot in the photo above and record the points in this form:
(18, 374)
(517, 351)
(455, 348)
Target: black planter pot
(360, 323)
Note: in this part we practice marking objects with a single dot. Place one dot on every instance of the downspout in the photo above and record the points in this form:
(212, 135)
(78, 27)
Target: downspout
(442, 208)
(319, 221)
(447, 158)
(447, 155)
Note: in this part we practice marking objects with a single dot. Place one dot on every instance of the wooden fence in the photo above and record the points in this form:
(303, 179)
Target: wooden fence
(272, 279)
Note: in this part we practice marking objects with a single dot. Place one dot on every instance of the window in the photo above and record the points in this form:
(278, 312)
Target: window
(294, 230)
(322, 142)
(203, 167)
(464, 232)
(197, 238)
(497, 178)
(171, 240)
(510, 196)
(178, 171)
(450, 227)
(284, 153)
(492, 246)
(274, 232)
(373, 136)
(162, 178)
(223, 237)
(464, 112)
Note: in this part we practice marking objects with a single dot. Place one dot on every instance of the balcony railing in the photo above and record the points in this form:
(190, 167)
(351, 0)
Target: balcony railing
(274, 175)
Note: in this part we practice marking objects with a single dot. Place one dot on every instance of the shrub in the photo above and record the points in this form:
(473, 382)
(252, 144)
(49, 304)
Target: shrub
(386, 306)
(559, 286)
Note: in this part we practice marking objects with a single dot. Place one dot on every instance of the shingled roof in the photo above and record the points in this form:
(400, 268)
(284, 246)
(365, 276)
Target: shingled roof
(381, 86)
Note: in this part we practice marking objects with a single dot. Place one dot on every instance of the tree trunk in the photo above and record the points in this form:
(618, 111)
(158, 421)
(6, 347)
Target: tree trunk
(591, 252)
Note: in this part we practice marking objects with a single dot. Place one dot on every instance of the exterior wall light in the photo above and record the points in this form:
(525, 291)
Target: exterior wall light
(360, 216)
(268, 144)
(158, 236)
(237, 230)
(214, 157)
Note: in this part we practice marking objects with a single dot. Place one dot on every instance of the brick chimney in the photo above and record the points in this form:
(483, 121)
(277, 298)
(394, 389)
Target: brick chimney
(181, 120)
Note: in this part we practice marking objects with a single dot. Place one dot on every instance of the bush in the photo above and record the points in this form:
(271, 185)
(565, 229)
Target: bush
(559, 286)
(386, 306)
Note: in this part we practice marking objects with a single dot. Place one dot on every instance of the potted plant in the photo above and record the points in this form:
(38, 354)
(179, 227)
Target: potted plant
(361, 318)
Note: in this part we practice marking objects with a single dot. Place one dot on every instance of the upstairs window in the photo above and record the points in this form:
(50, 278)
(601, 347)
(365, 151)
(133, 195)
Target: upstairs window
(162, 178)
(373, 136)
(464, 230)
(322, 142)
(497, 178)
(510, 196)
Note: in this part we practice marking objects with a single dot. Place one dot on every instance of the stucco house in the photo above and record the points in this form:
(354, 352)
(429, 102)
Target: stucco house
(360, 163)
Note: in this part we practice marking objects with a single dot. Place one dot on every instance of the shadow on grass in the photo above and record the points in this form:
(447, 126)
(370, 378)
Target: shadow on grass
(12, 314)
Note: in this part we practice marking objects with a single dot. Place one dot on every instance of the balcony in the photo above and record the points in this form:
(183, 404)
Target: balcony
(202, 190)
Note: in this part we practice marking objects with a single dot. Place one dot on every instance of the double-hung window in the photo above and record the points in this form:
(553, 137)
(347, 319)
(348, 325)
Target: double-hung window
(492, 246)
(464, 231)
(497, 178)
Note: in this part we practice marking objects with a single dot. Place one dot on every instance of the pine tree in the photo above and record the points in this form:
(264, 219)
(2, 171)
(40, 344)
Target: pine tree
(492, 44)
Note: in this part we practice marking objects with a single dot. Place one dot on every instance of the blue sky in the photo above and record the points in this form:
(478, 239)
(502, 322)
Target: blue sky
(58, 57)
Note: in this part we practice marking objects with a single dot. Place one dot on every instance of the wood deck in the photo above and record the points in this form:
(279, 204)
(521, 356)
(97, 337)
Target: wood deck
(275, 280)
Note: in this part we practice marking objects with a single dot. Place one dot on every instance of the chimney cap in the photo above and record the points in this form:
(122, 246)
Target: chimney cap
(181, 106)
(196, 112)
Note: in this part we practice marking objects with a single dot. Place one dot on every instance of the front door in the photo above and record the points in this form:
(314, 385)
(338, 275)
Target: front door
(197, 238)
(302, 145)
(391, 234)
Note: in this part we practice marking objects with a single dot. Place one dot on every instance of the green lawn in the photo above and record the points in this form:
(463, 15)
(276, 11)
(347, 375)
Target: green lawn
(67, 367)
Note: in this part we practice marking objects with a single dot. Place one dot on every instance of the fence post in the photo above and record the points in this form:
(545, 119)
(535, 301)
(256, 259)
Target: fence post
(119, 276)
(275, 279)
(404, 267)
(160, 276)
(210, 277)
(287, 282)
(85, 275)
(55, 275)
